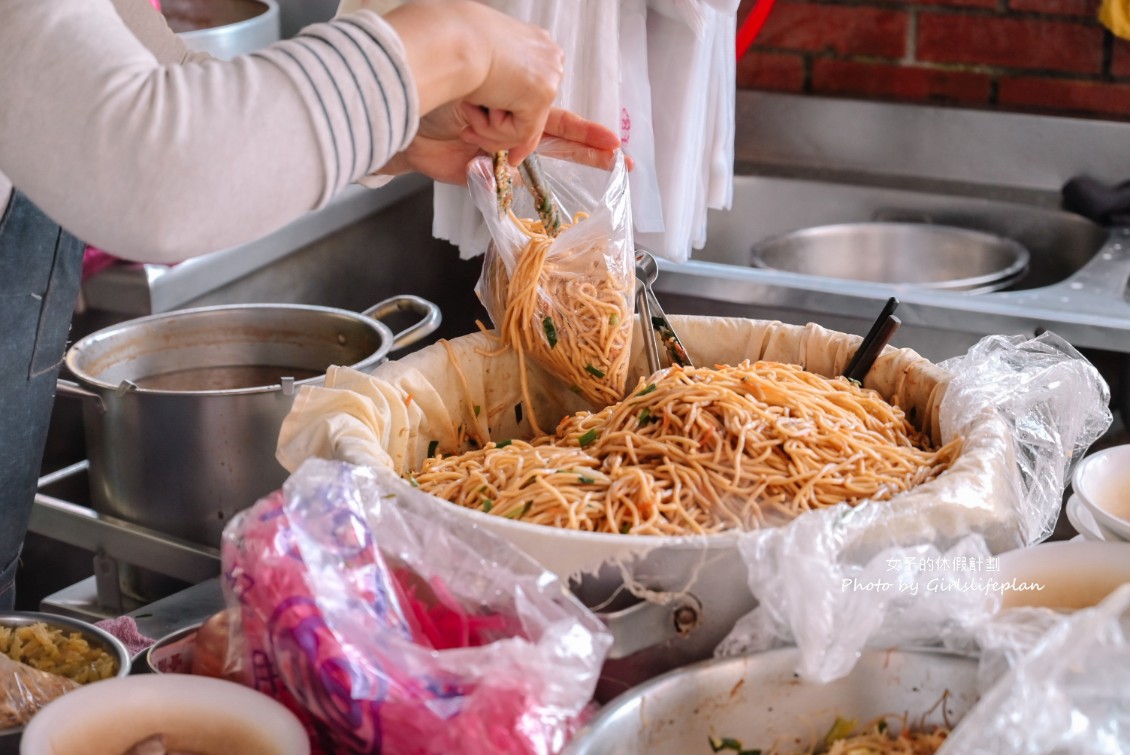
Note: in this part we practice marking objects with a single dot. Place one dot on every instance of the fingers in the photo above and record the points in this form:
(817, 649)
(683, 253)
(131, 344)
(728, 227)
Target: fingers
(495, 129)
(568, 125)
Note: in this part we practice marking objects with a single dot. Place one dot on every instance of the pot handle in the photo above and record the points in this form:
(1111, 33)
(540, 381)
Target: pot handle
(646, 624)
(71, 388)
(430, 320)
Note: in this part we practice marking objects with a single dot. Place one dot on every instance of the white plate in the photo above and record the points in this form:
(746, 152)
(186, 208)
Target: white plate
(1085, 524)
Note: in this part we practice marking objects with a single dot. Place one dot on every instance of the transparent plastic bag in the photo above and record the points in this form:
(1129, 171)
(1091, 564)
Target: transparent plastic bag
(24, 690)
(1067, 694)
(919, 568)
(388, 625)
(568, 302)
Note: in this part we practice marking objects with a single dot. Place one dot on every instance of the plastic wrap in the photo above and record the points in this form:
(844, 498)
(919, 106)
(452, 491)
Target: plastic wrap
(920, 567)
(1066, 695)
(24, 690)
(578, 321)
(386, 626)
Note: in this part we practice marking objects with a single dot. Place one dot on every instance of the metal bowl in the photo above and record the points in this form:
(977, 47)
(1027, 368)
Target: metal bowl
(918, 254)
(760, 701)
(224, 28)
(10, 738)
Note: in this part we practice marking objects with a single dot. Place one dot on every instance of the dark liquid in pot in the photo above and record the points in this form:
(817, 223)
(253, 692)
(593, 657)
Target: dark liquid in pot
(223, 378)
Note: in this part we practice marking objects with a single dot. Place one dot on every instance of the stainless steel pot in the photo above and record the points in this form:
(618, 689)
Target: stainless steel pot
(224, 28)
(918, 254)
(761, 702)
(183, 409)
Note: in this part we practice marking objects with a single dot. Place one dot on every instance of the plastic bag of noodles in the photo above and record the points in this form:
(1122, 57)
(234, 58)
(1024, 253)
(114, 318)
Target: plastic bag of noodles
(563, 296)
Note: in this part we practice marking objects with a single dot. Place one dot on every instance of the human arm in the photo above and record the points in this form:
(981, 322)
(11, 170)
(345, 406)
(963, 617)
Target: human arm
(159, 161)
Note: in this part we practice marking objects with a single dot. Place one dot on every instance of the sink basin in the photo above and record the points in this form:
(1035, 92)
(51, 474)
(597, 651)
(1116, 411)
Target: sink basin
(1075, 285)
(1059, 243)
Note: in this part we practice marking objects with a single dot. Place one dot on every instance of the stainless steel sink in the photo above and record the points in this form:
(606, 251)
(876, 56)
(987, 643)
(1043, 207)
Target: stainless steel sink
(1075, 287)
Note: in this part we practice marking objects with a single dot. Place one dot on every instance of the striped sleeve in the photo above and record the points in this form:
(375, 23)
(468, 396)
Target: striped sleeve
(352, 74)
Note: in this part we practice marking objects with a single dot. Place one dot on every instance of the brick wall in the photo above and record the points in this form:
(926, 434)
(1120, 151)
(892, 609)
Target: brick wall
(1038, 56)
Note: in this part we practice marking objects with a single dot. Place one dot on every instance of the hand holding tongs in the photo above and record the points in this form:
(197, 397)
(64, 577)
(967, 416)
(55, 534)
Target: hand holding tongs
(650, 312)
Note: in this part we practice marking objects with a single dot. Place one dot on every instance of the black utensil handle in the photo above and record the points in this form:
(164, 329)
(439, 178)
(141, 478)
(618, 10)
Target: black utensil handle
(867, 354)
(872, 334)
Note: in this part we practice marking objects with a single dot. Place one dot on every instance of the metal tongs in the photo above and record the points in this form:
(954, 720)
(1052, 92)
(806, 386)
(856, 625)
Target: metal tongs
(533, 179)
(650, 312)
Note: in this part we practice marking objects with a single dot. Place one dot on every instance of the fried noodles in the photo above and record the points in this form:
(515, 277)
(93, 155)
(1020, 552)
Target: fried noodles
(699, 450)
(570, 311)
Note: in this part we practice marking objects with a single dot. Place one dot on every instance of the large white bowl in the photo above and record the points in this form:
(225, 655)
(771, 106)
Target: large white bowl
(1102, 483)
(197, 714)
(1064, 575)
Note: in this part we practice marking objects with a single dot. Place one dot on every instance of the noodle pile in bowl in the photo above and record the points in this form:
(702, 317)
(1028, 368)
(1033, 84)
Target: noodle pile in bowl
(699, 450)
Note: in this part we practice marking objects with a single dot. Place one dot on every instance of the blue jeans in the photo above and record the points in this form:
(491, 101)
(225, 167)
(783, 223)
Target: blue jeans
(40, 273)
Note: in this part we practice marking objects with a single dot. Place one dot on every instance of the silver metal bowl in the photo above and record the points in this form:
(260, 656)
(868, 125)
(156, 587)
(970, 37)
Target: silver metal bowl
(919, 254)
(760, 701)
(224, 28)
(10, 738)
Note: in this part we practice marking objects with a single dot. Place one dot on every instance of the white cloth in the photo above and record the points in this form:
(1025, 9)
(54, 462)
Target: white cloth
(661, 73)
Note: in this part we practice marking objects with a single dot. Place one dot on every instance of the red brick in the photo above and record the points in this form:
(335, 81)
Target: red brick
(1010, 42)
(1120, 58)
(1067, 97)
(780, 72)
(841, 29)
(882, 81)
(1089, 8)
(991, 4)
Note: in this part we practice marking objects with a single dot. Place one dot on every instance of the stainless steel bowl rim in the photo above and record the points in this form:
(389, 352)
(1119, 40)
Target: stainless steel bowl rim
(974, 284)
(75, 352)
(112, 643)
(271, 10)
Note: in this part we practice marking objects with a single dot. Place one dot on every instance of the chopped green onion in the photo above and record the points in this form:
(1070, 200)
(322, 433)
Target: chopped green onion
(650, 387)
(521, 512)
(717, 744)
(625, 528)
(588, 437)
(575, 389)
(614, 319)
(413, 481)
(503, 443)
(550, 331)
(432, 448)
(841, 729)
(477, 409)
(585, 480)
(645, 416)
(594, 371)
(488, 504)
(483, 489)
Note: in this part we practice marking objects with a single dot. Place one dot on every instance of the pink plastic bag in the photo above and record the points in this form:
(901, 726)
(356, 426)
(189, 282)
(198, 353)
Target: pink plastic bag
(390, 624)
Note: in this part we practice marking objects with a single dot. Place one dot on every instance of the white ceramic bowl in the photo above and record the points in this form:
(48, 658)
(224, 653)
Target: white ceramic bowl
(196, 713)
(1102, 483)
(1071, 574)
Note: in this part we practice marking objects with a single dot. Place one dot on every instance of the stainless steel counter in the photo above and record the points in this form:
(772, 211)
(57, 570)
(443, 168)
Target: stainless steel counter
(141, 289)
